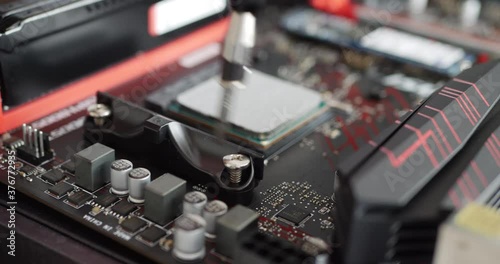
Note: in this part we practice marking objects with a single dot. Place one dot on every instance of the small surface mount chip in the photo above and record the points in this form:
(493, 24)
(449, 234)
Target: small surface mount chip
(152, 234)
(69, 166)
(123, 208)
(27, 170)
(53, 176)
(60, 189)
(293, 215)
(79, 198)
(133, 224)
(106, 200)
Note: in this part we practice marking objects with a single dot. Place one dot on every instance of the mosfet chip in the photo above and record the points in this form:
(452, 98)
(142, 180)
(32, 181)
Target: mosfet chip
(53, 176)
(152, 234)
(79, 198)
(60, 189)
(133, 224)
(123, 208)
(106, 200)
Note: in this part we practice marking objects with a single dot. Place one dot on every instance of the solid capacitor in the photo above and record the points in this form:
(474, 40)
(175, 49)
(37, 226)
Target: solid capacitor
(137, 180)
(119, 176)
(211, 212)
(189, 237)
(193, 203)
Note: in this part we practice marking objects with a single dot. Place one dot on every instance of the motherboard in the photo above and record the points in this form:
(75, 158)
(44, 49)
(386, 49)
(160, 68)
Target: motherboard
(330, 155)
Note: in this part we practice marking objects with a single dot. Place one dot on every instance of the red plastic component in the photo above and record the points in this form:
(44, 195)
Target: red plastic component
(112, 77)
(344, 8)
(483, 58)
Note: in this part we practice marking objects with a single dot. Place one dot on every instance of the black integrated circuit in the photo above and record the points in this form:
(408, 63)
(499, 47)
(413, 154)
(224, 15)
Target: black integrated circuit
(53, 176)
(60, 189)
(123, 208)
(79, 198)
(293, 215)
(133, 224)
(106, 200)
(27, 170)
(69, 166)
(152, 234)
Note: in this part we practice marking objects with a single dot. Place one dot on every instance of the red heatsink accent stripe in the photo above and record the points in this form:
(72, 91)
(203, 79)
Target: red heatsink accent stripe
(496, 139)
(461, 106)
(398, 161)
(466, 97)
(475, 87)
(439, 131)
(424, 143)
(495, 149)
(440, 147)
(479, 173)
(454, 198)
(471, 184)
(464, 189)
(459, 96)
(447, 123)
(493, 153)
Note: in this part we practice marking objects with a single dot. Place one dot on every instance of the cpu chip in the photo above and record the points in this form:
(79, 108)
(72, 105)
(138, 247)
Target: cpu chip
(263, 113)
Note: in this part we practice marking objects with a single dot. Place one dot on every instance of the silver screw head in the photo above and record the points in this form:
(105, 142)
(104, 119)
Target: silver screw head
(236, 161)
(99, 111)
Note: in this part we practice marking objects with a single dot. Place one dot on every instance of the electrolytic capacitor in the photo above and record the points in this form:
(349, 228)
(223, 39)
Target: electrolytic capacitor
(137, 180)
(211, 212)
(189, 237)
(193, 203)
(119, 176)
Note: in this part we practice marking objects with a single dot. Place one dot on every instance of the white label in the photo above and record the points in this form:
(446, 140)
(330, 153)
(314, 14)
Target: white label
(413, 48)
(169, 15)
(64, 113)
(92, 220)
(67, 128)
(122, 235)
